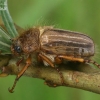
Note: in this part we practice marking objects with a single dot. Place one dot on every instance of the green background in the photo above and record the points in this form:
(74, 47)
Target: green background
(77, 15)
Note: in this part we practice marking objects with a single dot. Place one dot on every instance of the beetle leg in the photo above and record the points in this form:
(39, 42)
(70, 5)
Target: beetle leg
(58, 60)
(47, 60)
(52, 65)
(80, 60)
(71, 58)
(18, 62)
(50, 84)
(93, 62)
(28, 62)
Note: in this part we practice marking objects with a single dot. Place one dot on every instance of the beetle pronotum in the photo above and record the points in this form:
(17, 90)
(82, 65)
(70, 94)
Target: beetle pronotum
(52, 45)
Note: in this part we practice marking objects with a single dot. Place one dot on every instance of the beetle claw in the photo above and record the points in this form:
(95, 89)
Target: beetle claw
(10, 90)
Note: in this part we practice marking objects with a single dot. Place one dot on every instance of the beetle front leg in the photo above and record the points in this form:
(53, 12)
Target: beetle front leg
(28, 62)
(19, 62)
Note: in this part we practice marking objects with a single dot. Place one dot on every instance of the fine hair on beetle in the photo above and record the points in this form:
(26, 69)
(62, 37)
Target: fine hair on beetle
(52, 46)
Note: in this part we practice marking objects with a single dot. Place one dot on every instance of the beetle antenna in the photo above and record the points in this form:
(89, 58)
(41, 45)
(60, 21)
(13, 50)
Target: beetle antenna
(93, 62)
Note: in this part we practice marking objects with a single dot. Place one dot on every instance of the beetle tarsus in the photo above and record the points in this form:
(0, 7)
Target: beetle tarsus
(11, 90)
(61, 75)
(50, 83)
(93, 62)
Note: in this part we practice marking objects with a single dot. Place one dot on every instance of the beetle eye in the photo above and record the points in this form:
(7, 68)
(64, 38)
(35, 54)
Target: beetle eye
(17, 49)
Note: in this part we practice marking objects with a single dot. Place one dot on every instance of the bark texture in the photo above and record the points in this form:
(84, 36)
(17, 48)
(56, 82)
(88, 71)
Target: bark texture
(76, 75)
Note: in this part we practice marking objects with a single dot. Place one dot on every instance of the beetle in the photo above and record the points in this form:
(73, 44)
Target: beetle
(52, 45)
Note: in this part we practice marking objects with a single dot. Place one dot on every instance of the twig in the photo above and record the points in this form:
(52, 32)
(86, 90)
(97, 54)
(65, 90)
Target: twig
(80, 76)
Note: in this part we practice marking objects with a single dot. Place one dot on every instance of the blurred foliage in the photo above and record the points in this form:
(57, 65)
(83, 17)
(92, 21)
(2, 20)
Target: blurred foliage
(76, 15)
(8, 22)
(10, 32)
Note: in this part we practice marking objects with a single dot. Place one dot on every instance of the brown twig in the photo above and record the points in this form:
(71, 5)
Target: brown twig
(75, 75)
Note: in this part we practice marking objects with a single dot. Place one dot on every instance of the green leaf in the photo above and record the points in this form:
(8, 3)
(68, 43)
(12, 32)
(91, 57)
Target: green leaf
(8, 22)
(5, 42)
(5, 37)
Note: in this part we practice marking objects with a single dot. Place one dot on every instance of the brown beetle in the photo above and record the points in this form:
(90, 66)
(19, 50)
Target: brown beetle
(52, 45)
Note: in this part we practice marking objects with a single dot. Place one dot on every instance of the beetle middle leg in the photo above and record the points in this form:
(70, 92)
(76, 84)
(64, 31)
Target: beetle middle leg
(28, 62)
(46, 59)
(52, 65)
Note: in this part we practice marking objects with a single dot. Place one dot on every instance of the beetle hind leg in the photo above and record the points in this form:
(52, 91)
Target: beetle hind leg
(79, 60)
(70, 58)
(93, 62)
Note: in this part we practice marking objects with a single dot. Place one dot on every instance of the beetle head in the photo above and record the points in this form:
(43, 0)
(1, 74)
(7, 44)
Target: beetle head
(26, 43)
